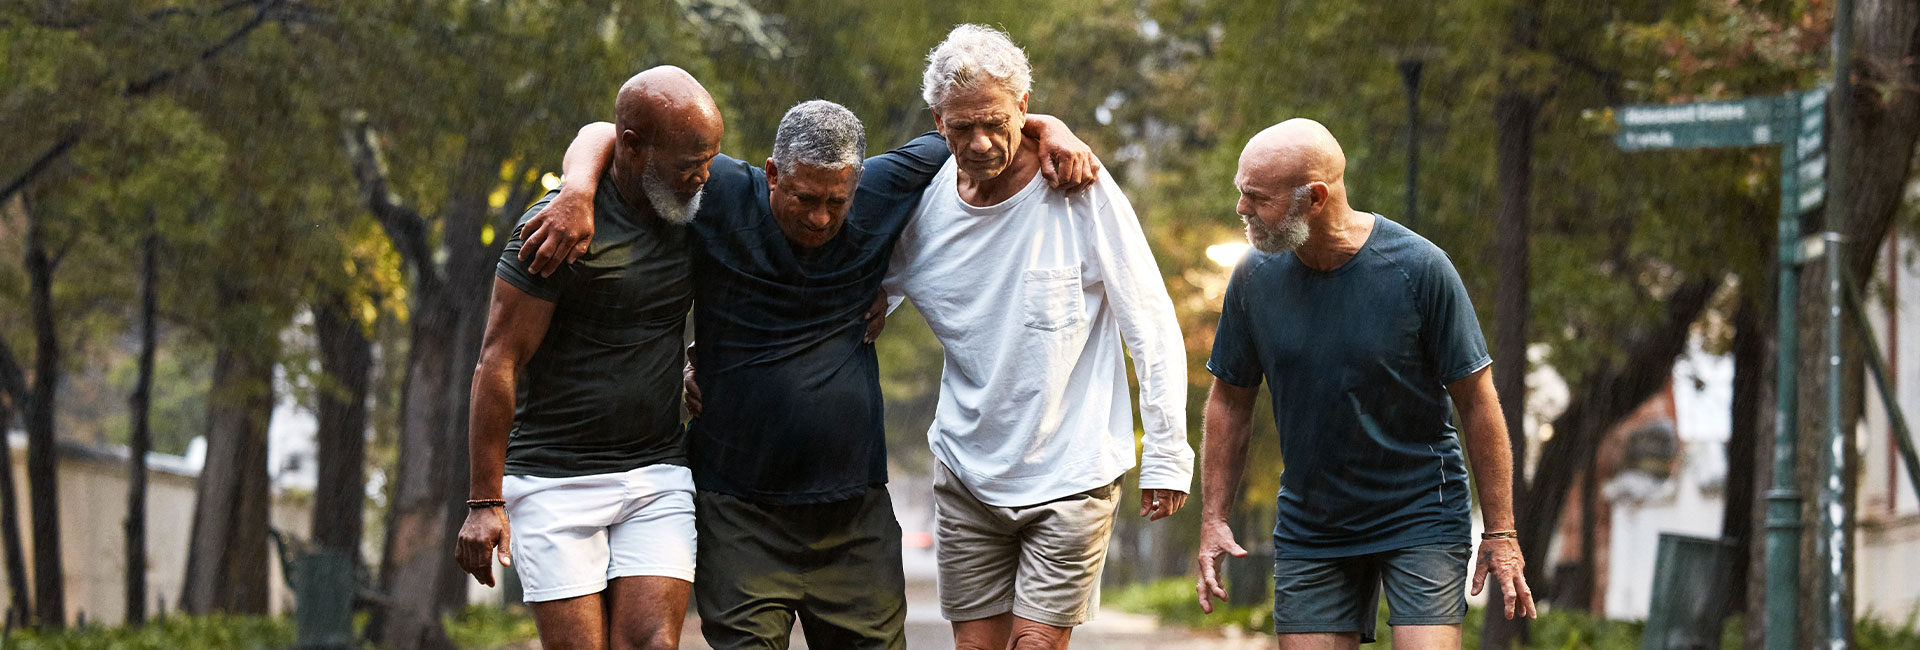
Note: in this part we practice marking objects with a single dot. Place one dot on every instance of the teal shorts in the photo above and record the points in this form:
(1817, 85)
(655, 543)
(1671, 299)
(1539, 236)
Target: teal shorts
(1424, 585)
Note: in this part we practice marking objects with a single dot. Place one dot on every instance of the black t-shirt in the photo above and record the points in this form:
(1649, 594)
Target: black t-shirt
(602, 392)
(790, 396)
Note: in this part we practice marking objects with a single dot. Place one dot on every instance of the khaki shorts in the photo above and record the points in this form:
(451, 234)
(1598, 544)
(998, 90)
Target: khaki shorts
(1041, 562)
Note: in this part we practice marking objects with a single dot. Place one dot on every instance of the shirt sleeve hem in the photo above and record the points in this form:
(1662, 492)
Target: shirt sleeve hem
(1237, 380)
(1465, 370)
(521, 281)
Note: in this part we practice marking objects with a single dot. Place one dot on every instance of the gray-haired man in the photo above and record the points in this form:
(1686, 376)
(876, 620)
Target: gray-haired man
(788, 445)
(1032, 292)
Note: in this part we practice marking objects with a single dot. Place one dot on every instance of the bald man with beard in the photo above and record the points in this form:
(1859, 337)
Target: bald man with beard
(578, 475)
(1362, 331)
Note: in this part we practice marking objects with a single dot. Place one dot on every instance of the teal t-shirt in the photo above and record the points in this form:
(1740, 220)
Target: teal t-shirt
(1357, 360)
(602, 392)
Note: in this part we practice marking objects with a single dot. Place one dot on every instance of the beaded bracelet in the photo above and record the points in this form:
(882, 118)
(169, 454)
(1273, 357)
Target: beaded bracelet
(486, 503)
(1500, 534)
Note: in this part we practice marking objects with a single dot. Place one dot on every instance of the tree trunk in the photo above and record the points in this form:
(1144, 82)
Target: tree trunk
(227, 564)
(141, 403)
(18, 607)
(1879, 128)
(1514, 116)
(346, 356)
(428, 503)
(14, 384)
(49, 580)
(1750, 374)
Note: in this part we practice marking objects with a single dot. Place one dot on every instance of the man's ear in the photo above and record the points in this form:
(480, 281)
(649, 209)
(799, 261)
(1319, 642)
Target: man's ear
(773, 174)
(1320, 193)
(938, 124)
(1023, 102)
(632, 141)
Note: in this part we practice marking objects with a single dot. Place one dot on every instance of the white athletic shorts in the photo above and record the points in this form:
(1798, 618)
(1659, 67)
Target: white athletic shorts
(572, 535)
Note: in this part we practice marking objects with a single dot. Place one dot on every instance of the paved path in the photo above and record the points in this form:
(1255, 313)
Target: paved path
(1113, 630)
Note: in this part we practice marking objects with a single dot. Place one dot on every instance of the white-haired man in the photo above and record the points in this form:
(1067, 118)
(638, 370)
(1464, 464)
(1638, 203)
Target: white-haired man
(1032, 291)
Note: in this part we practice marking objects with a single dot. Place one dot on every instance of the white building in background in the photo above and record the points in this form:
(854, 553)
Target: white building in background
(1684, 495)
(1887, 546)
(93, 511)
(1637, 506)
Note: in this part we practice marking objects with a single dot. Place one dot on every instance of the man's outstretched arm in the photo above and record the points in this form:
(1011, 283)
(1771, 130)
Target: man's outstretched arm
(1492, 457)
(560, 234)
(516, 322)
(1223, 458)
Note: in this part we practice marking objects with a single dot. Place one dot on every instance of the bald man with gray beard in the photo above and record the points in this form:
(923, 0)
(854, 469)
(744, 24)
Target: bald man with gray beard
(574, 430)
(1363, 332)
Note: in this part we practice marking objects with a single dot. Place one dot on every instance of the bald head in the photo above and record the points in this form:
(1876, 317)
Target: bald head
(668, 133)
(666, 101)
(1295, 152)
(1292, 183)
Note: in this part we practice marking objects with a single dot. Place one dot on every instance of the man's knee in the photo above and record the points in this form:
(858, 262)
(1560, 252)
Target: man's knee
(657, 637)
(1040, 637)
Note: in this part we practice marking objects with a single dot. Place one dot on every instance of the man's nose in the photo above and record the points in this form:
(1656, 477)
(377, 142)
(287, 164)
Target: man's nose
(981, 143)
(819, 217)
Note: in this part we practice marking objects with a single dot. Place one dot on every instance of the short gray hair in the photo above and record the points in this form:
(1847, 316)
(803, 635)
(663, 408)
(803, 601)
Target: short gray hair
(972, 55)
(820, 133)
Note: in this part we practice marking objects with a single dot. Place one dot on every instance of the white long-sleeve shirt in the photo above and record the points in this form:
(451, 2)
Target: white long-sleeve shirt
(1031, 299)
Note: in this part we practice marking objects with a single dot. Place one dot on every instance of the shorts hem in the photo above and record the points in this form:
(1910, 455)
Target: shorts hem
(1316, 628)
(651, 571)
(1395, 621)
(1055, 619)
(975, 613)
(562, 593)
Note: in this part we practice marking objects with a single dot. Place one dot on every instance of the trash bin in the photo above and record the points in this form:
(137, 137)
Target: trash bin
(323, 595)
(1689, 598)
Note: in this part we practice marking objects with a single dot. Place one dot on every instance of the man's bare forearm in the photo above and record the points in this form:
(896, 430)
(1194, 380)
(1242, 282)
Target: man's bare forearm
(1037, 125)
(1489, 450)
(587, 156)
(488, 419)
(1227, 427)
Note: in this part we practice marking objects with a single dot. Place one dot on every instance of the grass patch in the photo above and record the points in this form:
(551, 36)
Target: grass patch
(217, 632)
(491, 627)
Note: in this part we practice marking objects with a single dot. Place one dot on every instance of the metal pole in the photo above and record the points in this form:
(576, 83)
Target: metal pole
(1839, 204)
(1902, 434)
(1783, 500)
(1833, 499)
(1410, 74)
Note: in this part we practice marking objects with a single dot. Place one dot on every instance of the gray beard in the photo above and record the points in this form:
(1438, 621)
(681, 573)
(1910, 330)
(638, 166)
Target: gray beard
(665, 204)
(1289, 235)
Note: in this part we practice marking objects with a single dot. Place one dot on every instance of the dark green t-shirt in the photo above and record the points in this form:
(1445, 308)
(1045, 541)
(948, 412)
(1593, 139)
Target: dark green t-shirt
(602, 392)
(1357, 360)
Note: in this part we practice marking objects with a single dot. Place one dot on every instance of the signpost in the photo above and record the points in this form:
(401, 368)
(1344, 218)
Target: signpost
(1796, 122)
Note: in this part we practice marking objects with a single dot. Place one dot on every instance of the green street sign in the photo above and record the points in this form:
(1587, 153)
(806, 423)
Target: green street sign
(1745, 123)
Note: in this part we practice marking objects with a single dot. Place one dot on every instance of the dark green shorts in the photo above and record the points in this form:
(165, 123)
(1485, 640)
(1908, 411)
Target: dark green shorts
(835, 567)
(1424, 585)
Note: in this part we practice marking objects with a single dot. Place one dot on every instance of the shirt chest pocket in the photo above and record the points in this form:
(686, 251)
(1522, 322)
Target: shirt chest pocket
(1051, 299)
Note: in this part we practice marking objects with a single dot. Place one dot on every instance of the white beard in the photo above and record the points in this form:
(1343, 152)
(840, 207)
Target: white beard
(665, 204)
(1289, 235)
